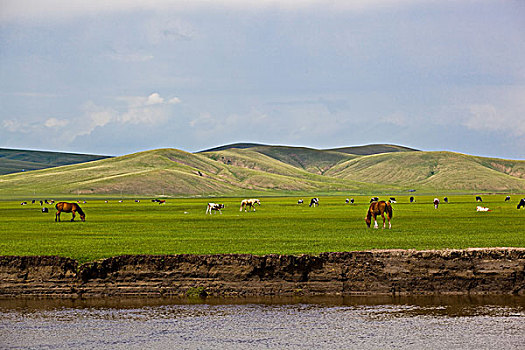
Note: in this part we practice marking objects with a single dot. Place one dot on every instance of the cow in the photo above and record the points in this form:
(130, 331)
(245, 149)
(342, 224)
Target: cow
(445, 199)
(412, 199)
(314, 202)
(214, 206)
(352, 200)
(478, 199)
(347, 201)
(248, 204)
(374, 199)
(521, 203)
(300, 201)
(436, 203)
(507, 198)
(392, 200)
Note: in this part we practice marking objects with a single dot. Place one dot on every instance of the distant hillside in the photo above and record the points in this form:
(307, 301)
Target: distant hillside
(270, 170)
(12, 160)
(435, 170)
(177, 173)
(372, 149)
(230, 146)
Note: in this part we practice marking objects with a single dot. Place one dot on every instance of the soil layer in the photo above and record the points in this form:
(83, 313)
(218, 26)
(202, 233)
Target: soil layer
(399, 272)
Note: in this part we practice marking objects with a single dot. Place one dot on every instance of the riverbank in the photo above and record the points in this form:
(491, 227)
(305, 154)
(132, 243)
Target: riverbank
(473, 271)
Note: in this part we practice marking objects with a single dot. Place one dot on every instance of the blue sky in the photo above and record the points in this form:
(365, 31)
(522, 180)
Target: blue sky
(125, 76)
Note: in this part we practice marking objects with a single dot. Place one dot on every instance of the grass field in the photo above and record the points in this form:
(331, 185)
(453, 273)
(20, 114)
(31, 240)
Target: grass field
(279, 226)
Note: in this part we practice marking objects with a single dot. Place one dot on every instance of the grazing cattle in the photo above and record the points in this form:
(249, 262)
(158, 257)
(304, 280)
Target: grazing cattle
(379, 208)
(374, 199)
(214, 206)
(507, 198)
(41, 203)
(352, 200)
(69, 208)
(480, 208)
(162, 201)
(392, 200)
(45, 210)
(412, 199)
(248, 204)
(521, 203)
(347, 201)
(137, 201)
(445, 199)
(23, 203)
(314, 202)
(478, 199)
(33, 201)
(436, 203)
(300, 201)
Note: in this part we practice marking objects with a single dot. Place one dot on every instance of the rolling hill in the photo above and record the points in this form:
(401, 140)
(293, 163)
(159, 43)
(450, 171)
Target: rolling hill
(13, 161)
(270, 170)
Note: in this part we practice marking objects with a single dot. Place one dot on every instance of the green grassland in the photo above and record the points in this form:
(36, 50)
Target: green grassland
(278, 226)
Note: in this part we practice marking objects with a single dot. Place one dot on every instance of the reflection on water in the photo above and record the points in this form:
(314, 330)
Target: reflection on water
(350, 323)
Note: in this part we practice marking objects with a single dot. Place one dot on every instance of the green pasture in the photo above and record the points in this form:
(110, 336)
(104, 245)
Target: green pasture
(278, 226)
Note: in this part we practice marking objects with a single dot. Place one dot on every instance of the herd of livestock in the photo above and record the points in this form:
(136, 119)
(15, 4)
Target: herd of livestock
(249, 205)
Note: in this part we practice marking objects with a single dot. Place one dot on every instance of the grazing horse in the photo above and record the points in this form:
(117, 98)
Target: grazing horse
(69, 208)
(249, 203)
(379, 208)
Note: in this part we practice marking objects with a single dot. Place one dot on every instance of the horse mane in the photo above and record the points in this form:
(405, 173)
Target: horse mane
(79, 210)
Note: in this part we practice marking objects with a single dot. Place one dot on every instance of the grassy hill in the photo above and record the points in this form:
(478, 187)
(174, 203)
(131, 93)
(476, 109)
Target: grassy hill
(435, 170)
(176, 173)
(269, 170)
(12, 161)
(367, 150)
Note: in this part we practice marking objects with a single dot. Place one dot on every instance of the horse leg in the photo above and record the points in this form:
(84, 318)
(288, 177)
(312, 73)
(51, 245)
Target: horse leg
(57, 216)
(375, 221)
(389, 224)
(383, 216)
(73, 218)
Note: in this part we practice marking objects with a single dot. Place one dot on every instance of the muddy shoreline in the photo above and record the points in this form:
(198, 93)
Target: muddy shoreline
(476, 271)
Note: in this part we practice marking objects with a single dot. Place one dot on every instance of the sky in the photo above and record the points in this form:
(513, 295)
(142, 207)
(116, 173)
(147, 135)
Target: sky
(118, 77)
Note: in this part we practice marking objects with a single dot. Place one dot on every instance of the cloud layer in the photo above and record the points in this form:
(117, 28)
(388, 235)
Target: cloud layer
(120, 76)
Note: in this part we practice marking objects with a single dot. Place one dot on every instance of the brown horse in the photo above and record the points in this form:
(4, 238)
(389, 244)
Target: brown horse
(69, 208)
(379, 208)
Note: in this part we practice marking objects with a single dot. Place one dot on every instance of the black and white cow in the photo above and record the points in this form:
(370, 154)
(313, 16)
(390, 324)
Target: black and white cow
(392, 200)
(300, 201)
(478, 199)
(374, 199)
(522, 203)
(214, 206)
(314, 202)
(412, 199)
(507, 198)
(445, 199)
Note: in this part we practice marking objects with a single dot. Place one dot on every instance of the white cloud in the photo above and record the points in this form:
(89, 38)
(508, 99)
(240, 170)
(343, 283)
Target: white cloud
(488, 117)
(174, 101)
(54, 122)
(154, 99)
(14, 126)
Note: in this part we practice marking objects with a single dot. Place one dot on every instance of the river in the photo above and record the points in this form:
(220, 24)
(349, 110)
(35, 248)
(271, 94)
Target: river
(489, 322)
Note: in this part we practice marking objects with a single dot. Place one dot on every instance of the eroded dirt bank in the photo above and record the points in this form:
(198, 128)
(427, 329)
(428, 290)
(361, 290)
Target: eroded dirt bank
(406, 272)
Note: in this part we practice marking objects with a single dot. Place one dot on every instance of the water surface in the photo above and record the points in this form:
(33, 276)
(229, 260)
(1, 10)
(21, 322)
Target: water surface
(349, 323)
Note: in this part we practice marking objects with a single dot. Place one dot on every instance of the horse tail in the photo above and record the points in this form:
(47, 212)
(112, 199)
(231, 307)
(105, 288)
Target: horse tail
(389, 209)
